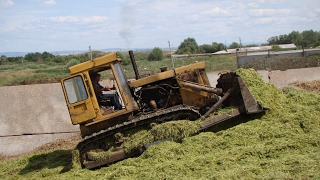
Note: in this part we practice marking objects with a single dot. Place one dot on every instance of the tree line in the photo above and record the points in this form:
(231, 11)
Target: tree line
(47, 57)
(308, 38)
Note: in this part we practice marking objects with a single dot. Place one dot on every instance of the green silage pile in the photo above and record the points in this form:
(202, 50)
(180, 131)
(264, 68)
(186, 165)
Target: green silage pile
(175, 131)
(172, 131)
(283, 143)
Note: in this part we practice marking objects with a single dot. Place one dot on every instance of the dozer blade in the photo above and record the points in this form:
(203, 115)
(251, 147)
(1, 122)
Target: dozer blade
(250, 103)
(240, 96)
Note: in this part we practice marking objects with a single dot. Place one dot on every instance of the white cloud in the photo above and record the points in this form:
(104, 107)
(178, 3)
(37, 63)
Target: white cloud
(252, 5)
(143, 23)
(262, 12)
(265, 20)
(6, 3)
(193, 17)
(268, 12)
(50, 2)
(95, 19)
(65, 19)
(74, 19)
(216, 10)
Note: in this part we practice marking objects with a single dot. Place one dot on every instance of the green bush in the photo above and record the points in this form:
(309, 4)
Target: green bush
(155, 55)
(124, 58)
(276, 48)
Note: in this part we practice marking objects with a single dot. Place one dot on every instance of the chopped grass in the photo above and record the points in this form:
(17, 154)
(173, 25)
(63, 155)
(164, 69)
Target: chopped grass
(174, 130)
(283, 143)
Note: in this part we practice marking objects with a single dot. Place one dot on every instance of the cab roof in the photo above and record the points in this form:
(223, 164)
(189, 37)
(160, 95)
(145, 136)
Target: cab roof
(94, 63)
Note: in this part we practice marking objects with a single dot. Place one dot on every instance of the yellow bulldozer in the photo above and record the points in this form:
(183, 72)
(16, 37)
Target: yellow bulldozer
(183, 93)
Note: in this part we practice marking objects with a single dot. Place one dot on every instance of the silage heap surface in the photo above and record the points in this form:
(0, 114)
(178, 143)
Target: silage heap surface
(282, 143)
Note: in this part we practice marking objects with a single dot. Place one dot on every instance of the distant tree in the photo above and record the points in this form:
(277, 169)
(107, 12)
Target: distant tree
(206, 48)
(234, 45)
(284, 39)
(33, 57)
(218, 46)
(251, 45)
(45, 55)
(58, 59)
(310, 37)
(3, 59)
(155, 55)
(295, 38)
(273, 40)
(316, 44)
(15, 59)
(188, 46)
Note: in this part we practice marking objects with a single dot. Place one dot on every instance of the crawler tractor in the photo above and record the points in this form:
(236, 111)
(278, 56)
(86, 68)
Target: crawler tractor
(183, 93)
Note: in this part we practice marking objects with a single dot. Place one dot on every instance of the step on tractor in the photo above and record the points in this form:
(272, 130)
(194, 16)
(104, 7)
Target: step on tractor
(182, 93)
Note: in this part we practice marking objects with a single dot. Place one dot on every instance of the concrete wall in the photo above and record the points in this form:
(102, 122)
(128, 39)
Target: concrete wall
(242, 60)
(283, 78)
(32, 109)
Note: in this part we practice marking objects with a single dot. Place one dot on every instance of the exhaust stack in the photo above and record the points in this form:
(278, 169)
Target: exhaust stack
(133, 61)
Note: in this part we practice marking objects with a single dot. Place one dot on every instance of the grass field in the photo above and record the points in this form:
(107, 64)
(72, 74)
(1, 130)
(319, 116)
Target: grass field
(282, 143)
(31, 72)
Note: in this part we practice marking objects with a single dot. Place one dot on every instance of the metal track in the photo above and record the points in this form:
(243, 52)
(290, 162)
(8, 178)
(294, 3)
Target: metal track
(160, 116)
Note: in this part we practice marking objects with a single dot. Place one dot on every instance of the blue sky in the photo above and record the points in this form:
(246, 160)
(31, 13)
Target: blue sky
(54, 25)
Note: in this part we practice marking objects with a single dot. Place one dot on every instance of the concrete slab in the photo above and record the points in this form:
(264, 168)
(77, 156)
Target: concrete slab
(32, 109)
(39, 108)
(283, 78)
(264, 74)
(17, 145)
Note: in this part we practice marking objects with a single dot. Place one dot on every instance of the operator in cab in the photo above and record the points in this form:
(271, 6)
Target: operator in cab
(98, 89)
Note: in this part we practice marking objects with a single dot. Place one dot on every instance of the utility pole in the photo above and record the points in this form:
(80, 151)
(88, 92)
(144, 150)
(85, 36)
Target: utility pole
(90, 53)
(240, 43)
(171, 55)
(225, 45)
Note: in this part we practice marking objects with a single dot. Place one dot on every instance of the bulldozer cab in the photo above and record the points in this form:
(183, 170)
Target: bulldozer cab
(78, 99)
(84, 104)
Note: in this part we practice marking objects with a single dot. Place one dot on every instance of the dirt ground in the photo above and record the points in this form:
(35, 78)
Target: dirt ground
(308, 86)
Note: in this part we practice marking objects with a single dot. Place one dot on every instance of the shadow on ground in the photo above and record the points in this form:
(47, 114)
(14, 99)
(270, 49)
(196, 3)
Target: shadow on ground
(51, 160)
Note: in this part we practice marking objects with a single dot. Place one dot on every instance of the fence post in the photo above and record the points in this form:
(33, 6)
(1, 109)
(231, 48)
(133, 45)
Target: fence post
(237, 56)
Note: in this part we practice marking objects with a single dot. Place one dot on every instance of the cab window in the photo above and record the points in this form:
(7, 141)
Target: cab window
(75, 89)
